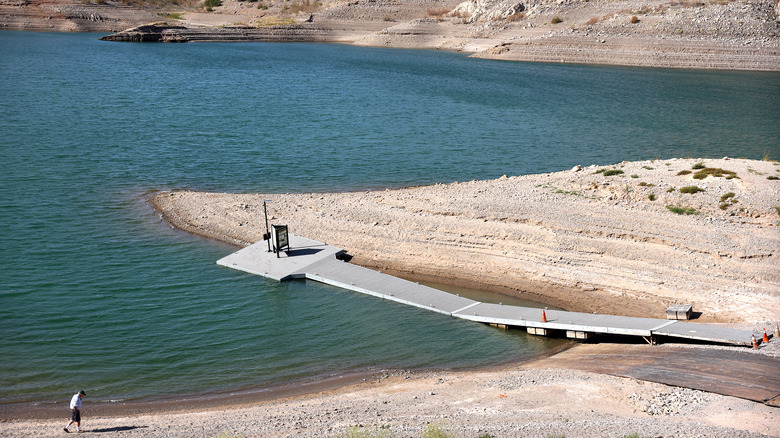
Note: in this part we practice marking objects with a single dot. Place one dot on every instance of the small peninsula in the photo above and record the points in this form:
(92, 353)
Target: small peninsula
(626, 239)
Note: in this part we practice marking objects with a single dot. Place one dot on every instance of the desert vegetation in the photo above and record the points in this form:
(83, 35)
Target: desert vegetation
(704, 172)
(437, 13)
(610, 172)
(681, 210)
(209, 5)
(727, 200)
(691, 189)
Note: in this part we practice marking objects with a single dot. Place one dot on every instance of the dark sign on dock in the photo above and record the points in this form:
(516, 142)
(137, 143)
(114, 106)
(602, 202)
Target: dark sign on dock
(280, 238)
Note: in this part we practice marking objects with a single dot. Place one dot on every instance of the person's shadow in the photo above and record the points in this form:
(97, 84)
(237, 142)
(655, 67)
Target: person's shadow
(116, 429)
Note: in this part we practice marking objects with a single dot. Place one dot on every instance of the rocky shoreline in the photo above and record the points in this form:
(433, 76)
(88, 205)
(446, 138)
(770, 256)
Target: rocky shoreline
(717, 34)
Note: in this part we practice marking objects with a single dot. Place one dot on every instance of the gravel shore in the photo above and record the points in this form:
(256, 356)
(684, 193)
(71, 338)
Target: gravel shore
(514, 402)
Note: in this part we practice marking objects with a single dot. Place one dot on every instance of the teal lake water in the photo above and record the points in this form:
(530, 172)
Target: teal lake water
(96, 293)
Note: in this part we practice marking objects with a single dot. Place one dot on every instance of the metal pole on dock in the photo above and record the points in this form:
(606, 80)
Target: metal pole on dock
(267, 235)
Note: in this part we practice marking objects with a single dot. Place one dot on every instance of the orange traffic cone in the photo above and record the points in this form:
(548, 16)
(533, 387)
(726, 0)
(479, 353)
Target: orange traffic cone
(755, 343)
(544, 316)
(765, 338)
(777, 330)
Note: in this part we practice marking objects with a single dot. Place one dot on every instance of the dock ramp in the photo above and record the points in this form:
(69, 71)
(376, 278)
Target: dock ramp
(320, 262)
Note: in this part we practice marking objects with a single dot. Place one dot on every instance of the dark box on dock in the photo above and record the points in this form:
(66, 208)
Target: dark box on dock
(679, 311)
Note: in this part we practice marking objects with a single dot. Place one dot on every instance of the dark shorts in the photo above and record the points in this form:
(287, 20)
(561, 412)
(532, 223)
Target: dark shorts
(75, 415)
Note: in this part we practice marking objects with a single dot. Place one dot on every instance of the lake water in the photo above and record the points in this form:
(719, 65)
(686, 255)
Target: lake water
(96, 293)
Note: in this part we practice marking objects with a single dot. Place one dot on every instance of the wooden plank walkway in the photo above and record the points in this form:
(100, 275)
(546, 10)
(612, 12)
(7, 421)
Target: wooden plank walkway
(722, 371)
(321, 262)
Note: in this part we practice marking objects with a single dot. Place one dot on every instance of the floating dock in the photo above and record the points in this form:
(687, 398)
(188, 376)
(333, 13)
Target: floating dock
(317, 261)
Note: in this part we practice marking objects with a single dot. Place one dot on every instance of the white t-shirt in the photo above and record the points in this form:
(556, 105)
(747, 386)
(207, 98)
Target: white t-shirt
(75, 402)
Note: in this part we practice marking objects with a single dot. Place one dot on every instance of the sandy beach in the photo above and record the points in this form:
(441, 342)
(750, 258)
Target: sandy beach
(593, 238)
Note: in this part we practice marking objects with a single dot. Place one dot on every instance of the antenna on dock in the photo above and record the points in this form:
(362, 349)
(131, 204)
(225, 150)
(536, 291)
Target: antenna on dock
(267, 235)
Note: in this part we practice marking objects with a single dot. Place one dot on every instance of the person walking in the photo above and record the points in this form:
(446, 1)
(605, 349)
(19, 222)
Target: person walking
(75, 411)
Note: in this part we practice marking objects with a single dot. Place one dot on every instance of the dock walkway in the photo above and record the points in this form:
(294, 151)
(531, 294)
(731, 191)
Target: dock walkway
(320, 262)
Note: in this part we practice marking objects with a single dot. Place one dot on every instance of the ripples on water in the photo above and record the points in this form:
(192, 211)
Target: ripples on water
(96, 293)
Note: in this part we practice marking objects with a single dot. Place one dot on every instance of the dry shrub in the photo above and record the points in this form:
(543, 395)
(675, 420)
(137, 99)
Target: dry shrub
(634, 19)
(438, 13)
(464, 16)
(158, 3)
(517, 16)
(556, 20)
(592, 21)
(686, 3)
(306, 6)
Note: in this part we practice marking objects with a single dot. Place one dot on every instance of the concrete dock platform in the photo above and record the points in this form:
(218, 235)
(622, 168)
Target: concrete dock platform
(320, 262)
(258, 260)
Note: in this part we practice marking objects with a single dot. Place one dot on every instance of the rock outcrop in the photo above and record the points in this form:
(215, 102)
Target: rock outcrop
(487, 11)
(154, 32)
